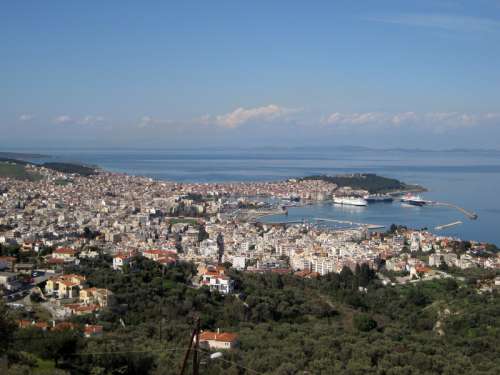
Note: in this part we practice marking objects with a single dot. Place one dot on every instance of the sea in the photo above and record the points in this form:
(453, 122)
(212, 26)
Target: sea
(466, 178)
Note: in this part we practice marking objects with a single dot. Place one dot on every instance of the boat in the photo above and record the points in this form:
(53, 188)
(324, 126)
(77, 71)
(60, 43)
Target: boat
(376, 198)
(350, 201)
(414, 200)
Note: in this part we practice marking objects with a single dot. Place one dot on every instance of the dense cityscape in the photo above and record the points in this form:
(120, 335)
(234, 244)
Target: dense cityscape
(58, 223)
(250, 187)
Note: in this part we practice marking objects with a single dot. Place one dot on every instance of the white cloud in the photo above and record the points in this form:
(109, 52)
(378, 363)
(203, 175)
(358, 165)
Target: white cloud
(492, 116)
(86, 120)
(151, 122)
(450, 22)
(439, 121)
(365, 118)
(63, 120)
(404, 118)
(91, 120)
(26, 117)
(241, 116)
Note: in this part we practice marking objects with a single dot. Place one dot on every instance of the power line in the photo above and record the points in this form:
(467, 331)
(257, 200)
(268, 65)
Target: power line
(202, 351)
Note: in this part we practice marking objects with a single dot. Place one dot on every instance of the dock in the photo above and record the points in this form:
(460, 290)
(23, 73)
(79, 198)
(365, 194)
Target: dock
(351, 223)
(469, 214)
(450, 225)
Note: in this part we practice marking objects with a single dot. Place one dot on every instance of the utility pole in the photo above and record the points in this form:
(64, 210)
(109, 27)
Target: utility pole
(195, 334)
(196, 362)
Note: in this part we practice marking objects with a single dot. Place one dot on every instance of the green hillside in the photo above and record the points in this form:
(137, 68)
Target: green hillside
(70, 168)
(17, 171)
(286, 325)
(367, 181)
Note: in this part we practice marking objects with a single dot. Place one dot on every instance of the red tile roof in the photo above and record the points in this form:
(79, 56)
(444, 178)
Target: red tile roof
(222, 336)
(92, 329)
(65, 250)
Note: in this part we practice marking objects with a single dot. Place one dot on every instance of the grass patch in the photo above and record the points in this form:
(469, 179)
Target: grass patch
(44, 366)
(62, 182)
(17, 171)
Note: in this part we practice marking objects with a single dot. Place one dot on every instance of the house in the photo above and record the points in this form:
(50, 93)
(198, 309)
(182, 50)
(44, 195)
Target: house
(218, 340)
(9, 281)
(80, 309)
(24, 268)
(164, 257)
(97, 296)
(123, 259)
(65, 254)
(65, 286)
(33, 324)
(435, 260)
(92, 330)
(419, 269)
(239, 262)
(63, 326)
(216, 280)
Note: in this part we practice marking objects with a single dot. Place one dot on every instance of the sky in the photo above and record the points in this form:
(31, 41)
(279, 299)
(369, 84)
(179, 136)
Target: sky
(254, 73)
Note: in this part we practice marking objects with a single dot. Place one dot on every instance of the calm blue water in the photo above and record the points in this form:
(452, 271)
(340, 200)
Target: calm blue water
(468, 179)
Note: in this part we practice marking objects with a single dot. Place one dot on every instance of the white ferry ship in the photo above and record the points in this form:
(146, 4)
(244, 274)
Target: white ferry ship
(414, 200)
(350, 201)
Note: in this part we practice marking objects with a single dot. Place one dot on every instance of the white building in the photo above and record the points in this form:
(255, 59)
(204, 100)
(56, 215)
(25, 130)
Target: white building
(218, 340)
(239, 262)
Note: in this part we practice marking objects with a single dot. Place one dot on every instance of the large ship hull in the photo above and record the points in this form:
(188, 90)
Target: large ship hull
(413, 200)
(376, 198)
(350, 201)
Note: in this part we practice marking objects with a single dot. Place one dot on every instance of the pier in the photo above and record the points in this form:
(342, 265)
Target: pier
(368, 226)
(450, 225)
(469, 214)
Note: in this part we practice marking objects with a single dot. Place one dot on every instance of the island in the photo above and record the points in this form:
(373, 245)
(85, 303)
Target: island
(371, 182)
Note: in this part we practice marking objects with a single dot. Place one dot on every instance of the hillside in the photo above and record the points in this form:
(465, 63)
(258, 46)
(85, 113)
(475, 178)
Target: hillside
(15, 168)
(17, 171)
(367, 181)
(70, 168)
(286, 325)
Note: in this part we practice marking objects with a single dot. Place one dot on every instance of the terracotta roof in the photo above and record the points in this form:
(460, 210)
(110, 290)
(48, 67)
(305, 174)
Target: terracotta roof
(24, 323)
(63, 326)
(55, 261)
(92, 329)
(70, 276)
(124, 255)
(166, 260)
(78, 308)
(42, 325)
(65, 250)
(68, 283)
(222, 336)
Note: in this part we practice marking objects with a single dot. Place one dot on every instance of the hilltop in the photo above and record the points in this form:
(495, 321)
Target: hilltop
(343, 323)
(367, 181)
(15, 168)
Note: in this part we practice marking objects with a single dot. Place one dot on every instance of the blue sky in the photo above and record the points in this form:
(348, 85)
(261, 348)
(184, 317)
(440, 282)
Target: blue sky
(250, 73)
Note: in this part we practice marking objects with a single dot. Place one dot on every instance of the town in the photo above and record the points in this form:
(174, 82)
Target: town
(53, 223)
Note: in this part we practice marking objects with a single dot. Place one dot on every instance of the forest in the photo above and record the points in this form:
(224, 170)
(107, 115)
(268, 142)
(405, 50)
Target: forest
(344, 323)
(371, 182)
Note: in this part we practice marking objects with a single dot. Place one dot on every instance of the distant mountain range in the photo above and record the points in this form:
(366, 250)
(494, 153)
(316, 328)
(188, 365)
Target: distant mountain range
(21, 155)
(316, 148)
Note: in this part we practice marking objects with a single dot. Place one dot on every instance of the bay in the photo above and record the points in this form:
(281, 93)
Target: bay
(470, 179)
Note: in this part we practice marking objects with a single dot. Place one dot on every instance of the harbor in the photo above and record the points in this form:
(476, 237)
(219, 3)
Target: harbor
(437, 216)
